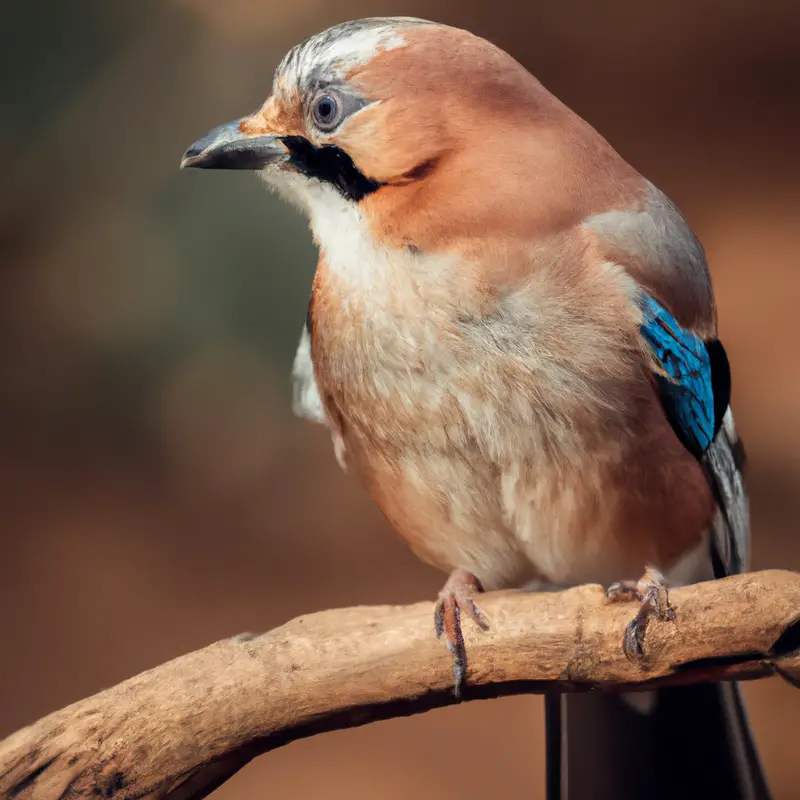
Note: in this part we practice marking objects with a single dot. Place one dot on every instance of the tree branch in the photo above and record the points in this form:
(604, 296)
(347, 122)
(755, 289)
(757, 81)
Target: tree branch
(180, 730)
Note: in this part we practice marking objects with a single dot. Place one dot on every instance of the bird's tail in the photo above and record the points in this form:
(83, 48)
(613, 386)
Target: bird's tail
(694, 744)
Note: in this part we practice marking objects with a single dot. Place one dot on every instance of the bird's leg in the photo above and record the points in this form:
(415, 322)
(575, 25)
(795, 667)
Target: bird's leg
(457, 597)
(651, 590)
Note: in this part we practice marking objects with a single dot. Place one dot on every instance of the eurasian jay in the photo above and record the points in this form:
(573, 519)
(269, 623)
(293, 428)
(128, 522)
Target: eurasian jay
(512, 338)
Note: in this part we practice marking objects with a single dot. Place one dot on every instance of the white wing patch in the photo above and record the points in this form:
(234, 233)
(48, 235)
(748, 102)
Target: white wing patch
(306, 402)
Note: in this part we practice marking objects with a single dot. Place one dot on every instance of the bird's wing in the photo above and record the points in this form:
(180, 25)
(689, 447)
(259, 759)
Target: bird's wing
(692, 379)
(306, 402)
(653, 242)
(724, 463)
(306, 399)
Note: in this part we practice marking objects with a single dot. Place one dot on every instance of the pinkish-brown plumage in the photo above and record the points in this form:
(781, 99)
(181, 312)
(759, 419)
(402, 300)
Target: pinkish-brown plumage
(474, 342)
(512, 340)
(477, 352)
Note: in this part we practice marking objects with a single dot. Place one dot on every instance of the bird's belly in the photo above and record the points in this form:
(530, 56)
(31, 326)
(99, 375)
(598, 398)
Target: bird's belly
(521, 443)
(609, 518)
(598, 520)
(449, 511)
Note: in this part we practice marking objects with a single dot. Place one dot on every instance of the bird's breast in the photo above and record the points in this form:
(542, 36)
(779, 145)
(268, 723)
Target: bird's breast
(422, 352)
(498, 427)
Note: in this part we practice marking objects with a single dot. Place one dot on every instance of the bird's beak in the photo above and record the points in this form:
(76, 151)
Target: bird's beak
(226, 147)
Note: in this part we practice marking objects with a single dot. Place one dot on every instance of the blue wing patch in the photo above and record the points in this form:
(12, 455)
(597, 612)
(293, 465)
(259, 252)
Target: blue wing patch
(694, 385)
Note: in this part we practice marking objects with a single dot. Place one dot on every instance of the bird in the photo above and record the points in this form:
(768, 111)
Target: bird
(512, 340)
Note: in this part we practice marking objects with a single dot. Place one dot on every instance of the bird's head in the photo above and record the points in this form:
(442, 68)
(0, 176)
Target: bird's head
(396, 115)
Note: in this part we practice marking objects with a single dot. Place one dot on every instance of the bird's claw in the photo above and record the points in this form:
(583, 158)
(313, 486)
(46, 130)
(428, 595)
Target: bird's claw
(458, 597)
(652, 592)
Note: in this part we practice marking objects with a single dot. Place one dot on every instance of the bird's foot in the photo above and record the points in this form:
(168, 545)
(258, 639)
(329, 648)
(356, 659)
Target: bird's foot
(457, 597)
(651, 591)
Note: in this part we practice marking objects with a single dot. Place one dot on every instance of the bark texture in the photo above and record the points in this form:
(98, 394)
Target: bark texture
(181, 729)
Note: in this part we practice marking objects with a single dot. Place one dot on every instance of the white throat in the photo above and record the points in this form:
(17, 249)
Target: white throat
(344, 235)
(366, 269)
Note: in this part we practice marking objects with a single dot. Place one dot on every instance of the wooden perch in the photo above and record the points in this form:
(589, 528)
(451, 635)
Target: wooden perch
(180, 730)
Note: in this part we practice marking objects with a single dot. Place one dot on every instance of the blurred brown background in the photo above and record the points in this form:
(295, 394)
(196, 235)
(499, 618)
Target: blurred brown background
(155, 492)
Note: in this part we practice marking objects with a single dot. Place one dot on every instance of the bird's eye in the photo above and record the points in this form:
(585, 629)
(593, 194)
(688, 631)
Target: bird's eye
(327, 112)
